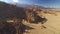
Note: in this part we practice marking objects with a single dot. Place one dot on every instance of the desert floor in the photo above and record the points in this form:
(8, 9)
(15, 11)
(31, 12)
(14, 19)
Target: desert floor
(53, 25)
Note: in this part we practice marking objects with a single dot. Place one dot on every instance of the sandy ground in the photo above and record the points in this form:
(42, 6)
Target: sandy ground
(53, 25)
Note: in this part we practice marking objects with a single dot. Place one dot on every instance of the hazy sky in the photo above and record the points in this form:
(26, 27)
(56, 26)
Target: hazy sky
(48, 3)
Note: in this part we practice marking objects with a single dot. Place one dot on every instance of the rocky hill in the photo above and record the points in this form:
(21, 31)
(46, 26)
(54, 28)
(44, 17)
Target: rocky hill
(13, 15)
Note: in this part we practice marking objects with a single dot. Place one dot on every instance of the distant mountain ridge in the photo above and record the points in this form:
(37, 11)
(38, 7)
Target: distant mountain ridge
(31, 6)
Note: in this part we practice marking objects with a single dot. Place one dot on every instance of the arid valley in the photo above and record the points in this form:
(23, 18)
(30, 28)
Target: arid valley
(52, 25)
(28, 20)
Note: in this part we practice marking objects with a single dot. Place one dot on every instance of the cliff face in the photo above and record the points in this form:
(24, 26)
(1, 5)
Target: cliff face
(10, 11)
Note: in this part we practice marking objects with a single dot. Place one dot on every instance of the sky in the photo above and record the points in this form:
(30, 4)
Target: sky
(47, 3)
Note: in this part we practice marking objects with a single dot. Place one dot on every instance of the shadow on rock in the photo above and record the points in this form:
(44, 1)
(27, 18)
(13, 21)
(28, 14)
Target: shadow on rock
(25, 27)
(38, 19)
(6, 28)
